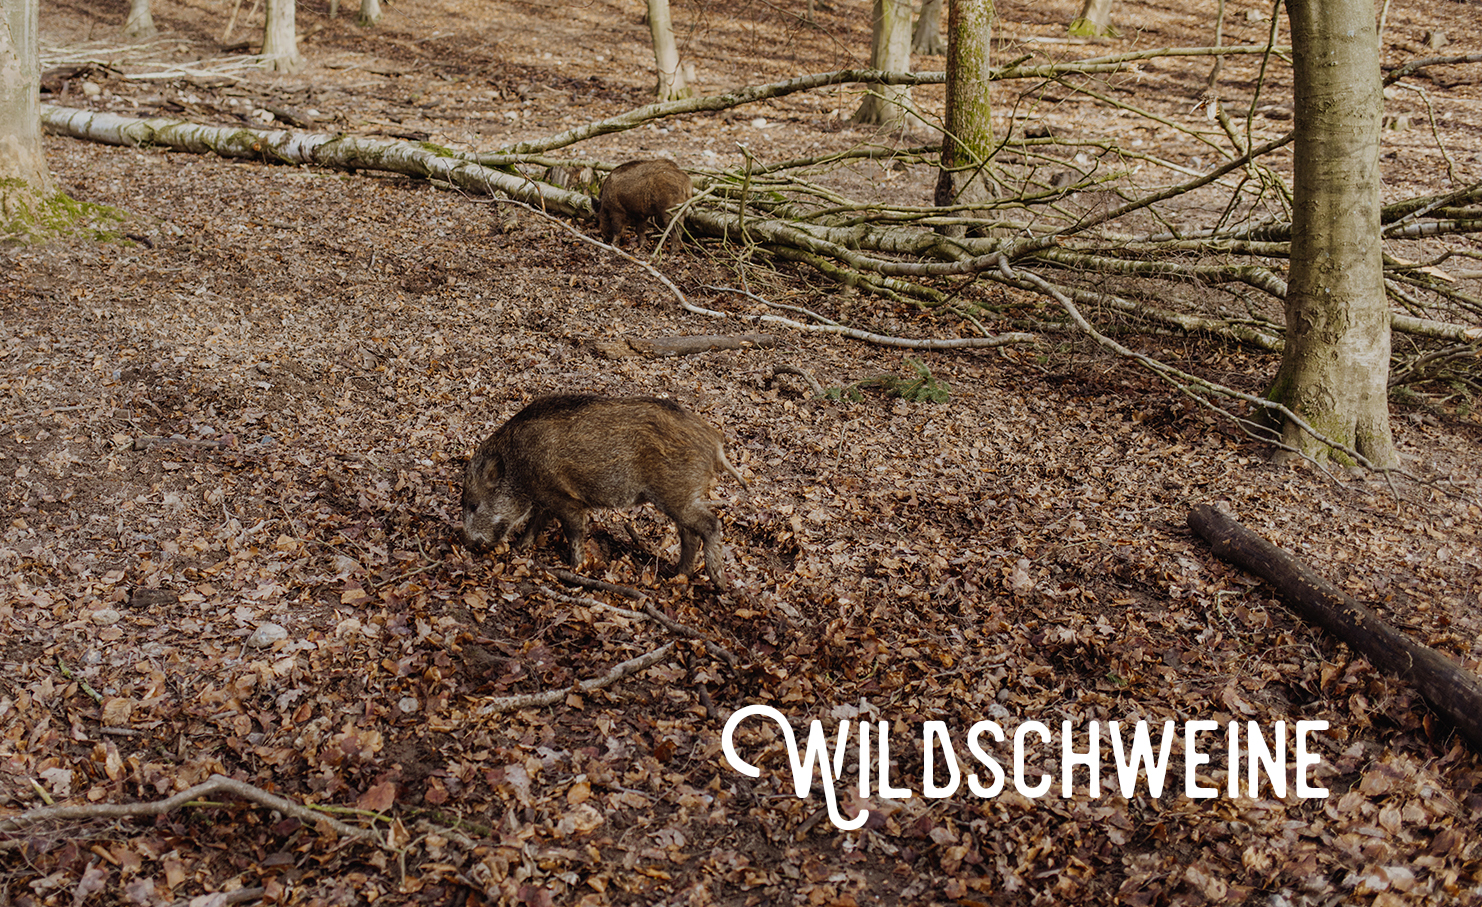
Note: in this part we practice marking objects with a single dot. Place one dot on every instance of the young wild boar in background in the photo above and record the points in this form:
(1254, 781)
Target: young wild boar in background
(564, 455)
(638, 192)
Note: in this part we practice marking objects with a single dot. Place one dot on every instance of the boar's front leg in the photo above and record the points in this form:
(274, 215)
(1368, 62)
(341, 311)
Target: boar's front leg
(534, 526)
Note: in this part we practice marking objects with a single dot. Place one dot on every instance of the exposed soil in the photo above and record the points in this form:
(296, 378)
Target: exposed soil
(320, 351)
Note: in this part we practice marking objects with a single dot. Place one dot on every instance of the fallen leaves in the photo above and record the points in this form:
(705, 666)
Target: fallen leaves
(293, 609)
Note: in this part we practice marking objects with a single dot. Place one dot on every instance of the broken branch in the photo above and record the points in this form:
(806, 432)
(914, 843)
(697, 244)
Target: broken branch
(1452, 691)
(216, 784)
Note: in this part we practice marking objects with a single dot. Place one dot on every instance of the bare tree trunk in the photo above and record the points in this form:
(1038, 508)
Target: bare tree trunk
(140, 24)
(1335, 365)
(370, 12)
(963, 179)
(888, 105)
(1094, 20)
(25, 183)
(280, 38)
(927, 38)
(672, 83)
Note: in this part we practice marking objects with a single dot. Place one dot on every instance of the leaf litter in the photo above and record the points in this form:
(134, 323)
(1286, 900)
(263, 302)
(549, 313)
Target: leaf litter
(292, 608)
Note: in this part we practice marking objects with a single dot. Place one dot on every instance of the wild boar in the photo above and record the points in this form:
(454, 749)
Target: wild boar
(564, 455)
(638, 192)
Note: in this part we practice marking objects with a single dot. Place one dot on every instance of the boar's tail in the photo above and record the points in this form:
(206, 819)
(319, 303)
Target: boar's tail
(720, 454)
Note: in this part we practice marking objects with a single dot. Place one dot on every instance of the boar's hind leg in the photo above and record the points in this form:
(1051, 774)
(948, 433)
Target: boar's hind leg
(574, 521)
(699, 523)
(664, 223)
(689, 544)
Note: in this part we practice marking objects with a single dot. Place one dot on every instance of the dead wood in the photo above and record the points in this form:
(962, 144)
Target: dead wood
(617, 672)
(673, 626)
(572, 578)
(216, 784)
(1450, 689)
(629, 347)
(813, 384)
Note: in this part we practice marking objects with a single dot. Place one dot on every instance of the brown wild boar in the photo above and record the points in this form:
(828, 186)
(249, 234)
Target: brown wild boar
(566, 454)
(638, 192)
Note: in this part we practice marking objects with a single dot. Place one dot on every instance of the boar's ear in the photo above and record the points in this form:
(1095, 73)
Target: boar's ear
(483, 471)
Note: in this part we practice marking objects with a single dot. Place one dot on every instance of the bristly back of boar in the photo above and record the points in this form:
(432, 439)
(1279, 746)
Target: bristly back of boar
(564, 455)
(638, 192)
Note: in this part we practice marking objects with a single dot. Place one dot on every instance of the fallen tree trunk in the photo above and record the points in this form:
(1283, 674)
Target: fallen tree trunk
(894, 252)
(1454, 692)
(344, 152)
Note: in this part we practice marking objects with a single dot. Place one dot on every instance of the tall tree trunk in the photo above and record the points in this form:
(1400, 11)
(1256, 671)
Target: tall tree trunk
(1335, 364)
(25, 183)
(927, 38)
(370, 12)
(280, 38)
(672, 83)
(1094, 20)
(890, 51)
(140, 24)
(963, 179)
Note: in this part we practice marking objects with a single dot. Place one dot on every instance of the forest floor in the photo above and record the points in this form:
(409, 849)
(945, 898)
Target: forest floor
(320, 351)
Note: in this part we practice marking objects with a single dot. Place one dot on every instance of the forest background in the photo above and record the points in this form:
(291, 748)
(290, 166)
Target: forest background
(247, 404)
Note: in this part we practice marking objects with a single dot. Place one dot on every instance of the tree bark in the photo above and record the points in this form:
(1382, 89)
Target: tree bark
(672, 84)
(370, 12)
(966, 147)
(25, 182)
(1451, 690)
(927, 38)
(1094, 20)
(888, 105)
(280, 38)
(140, 24)
(1334, 368)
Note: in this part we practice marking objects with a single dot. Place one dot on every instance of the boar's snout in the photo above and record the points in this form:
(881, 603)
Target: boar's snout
(485, 526)
(490, 511)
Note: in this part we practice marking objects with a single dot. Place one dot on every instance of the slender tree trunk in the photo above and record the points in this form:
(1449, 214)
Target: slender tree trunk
(1094, 20)
(140, 24)
(969, 140)
(927, 38)
(888, 105)
(1335, 365)
(25, 183)
(672, 84)
(370, 12)
(280, 38)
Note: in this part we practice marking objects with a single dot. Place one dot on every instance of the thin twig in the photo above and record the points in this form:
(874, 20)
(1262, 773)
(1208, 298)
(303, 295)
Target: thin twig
(617, 672)
(673, 626)
(813, 384)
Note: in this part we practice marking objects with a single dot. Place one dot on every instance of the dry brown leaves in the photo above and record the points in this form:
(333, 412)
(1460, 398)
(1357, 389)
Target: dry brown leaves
(1017, 553)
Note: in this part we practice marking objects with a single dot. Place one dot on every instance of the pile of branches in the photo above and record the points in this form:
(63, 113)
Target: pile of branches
(1083, 222)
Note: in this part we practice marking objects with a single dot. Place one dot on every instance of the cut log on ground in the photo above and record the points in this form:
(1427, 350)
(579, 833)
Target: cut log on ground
(1451, 690)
